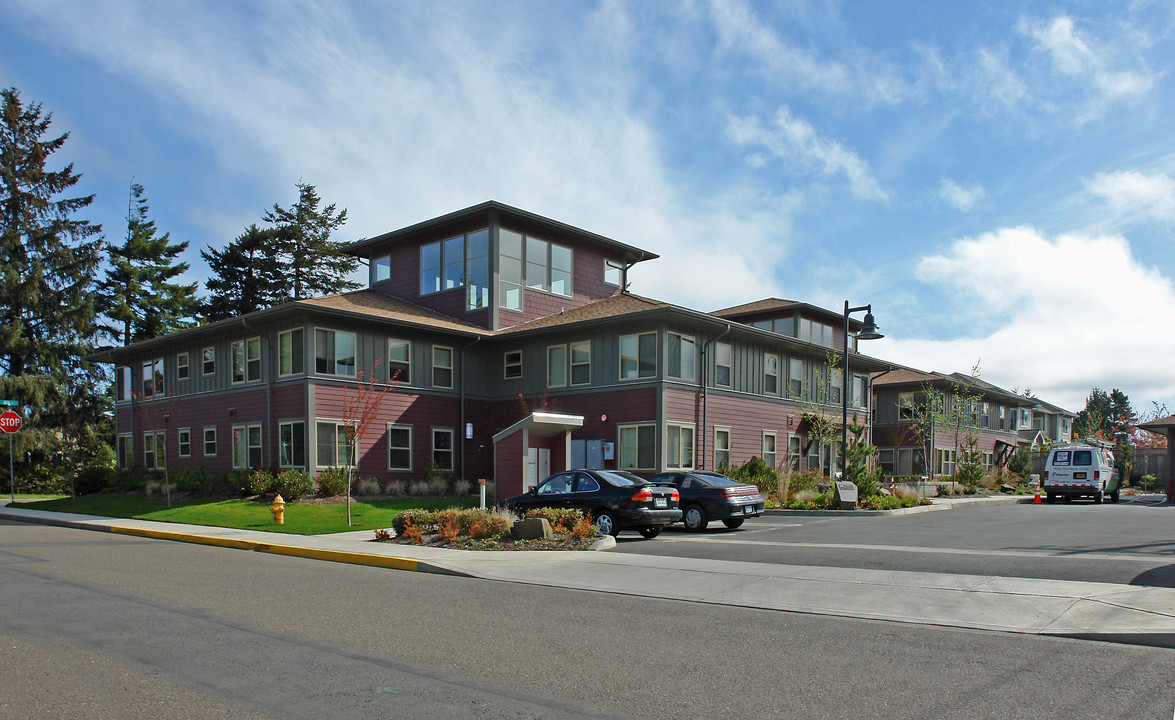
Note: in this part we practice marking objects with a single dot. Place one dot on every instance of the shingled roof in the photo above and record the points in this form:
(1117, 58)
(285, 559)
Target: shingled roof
(370, 303)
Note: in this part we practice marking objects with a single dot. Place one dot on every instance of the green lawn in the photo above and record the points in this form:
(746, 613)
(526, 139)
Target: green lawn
(301, 518)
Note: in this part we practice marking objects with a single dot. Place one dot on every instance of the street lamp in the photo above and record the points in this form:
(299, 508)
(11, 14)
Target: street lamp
(868, 332)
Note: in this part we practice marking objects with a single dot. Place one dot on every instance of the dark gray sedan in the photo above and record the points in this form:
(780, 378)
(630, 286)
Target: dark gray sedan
(707, 496)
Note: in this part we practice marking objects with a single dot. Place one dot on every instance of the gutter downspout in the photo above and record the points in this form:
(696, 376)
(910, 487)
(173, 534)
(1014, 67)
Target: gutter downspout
(461, 430)
(268, 389)
(706, 388)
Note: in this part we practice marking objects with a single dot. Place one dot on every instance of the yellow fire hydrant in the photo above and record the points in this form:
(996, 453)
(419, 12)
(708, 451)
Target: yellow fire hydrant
(278, 508)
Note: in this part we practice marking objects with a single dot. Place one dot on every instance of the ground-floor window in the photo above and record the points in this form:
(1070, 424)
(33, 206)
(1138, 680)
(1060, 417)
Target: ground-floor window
(944, 461)
(399, 447)
(247, 446)
(638, 447)
(794, 445)
(885, 461)
(209, 442)
(185, 442)
(332, 446)
(721, 448)
(910, 461)
(680, 446)
(292, 444)
(769, 454)
(126, 450)
(154, 450)
(442, 448)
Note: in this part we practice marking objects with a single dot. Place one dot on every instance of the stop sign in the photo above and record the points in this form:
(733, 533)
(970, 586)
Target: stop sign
(9, 422)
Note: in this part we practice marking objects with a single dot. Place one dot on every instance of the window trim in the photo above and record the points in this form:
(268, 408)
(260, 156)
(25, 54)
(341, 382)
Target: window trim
(718, 365)
(246, 428)
(690, 375)
(245, 345)
(182, 368)
(180, 433)
(507, 364)
(378, 262)
(729, 441)
(436, 367)
(124, 450)
(676, 464)
(774, 448)
(619, 267)
(158, 378)
(208, 428)
(208, 357)
(571, 364)
(408, 344)
(333, 362)
(399, 426)
(767, 357)
(340, 429)
(281, 426)
(551, 380)
(153, 436)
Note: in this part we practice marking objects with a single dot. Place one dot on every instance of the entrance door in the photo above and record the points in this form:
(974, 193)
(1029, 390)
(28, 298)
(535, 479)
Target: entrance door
(532, 468)
(544, 463)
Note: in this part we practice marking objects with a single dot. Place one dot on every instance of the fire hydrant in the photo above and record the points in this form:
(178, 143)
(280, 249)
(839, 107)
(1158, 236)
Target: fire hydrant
(278, 508)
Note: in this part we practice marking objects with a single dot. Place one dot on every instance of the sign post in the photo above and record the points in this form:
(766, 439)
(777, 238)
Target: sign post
(10, 422)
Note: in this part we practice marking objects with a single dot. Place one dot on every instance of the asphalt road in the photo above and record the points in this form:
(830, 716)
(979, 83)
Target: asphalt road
(1127, 542)
(103, 626)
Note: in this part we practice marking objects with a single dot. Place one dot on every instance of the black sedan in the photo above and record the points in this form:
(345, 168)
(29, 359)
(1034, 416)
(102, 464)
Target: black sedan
(707, 496)
(617, 500)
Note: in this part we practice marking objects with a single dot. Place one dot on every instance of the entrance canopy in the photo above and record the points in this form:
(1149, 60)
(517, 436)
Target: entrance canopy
(1166, 428)
(541, 424)
(530, 449)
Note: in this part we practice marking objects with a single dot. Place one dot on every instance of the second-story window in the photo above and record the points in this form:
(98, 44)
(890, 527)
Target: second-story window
(334, 352)
(153, 384)
(722, 363)
(581, 362)
(638, 356)
(613, 273)
(291, 352)
(381, 269)
(680, 356)
(209, 360)
(181, 366)
(512, 365)
(771, 374)
(247, 360)
(557, 366)
(442, 366)
(400, 361)
(795, 377)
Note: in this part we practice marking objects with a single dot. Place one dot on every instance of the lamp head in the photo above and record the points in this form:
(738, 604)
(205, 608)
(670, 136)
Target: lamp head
(869, 329)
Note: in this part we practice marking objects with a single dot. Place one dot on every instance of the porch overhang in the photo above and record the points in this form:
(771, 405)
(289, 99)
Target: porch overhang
(541, 424)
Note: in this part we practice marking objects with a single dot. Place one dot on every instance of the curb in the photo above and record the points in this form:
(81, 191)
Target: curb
(961, 504)
(339, 556)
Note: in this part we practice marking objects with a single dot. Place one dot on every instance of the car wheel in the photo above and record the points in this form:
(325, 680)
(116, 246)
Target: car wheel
(695, 518)
(649, 533)
(733, 523)
(1097, 499)
(606, 523)
(1050, 498)
(1114, 496)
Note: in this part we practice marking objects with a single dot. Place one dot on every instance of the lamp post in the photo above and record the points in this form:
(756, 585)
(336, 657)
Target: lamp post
(868, 332)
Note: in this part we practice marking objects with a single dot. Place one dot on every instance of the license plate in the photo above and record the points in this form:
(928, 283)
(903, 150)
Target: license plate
(1078, 476)
(660, 502)
(748, 509)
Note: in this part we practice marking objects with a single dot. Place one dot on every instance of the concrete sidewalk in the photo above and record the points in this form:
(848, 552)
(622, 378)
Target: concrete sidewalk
(1119, 613)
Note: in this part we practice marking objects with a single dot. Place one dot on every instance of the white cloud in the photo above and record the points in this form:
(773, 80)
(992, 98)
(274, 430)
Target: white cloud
(1072, 55)
(961, 197)
(797, 144)
(1061, 315)
(1132, 193)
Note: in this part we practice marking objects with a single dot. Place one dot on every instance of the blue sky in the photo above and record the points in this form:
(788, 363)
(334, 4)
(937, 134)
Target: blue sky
(996, 179)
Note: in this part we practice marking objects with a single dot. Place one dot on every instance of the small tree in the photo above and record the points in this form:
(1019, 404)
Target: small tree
(858, 462)
(361, 406)
(969, 463)
(815, 400)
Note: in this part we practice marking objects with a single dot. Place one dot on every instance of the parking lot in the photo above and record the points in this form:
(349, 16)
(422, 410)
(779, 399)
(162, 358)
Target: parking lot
(1132, 542)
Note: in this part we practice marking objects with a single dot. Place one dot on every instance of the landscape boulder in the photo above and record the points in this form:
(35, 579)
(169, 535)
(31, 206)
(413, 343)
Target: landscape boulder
(532, 529)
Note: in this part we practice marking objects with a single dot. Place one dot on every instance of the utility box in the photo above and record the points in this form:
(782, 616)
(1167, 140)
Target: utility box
(846, 495)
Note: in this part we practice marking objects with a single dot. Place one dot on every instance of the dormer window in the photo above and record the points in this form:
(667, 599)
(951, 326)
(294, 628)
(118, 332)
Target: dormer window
(381, 269)
(462, 261)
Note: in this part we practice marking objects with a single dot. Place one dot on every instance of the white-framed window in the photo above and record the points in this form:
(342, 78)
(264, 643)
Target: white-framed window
(794, 447)
(581, 362)
(331, 444)
(126, 450)
(442, 448)
(512, 365)
(613, 273)
(638, 446)
(247, 446)
(291, 444)
(638, 356)
(182, 370)
(153, 384)
(770, 374)
(154, 449)
(381, 269)
(399, 447)
(210, 442)
(722, 362)
(548, 267)
(795, 377)
(860, 397)
(184, 442)
(557, 366)
(442, 366)
(906, 406)
(680, 356)
(510, 269)
(679, 446)
(246, 356)
(721, 448)
(334, 352)
(835, 385)
(291, 352)
(124, 383)
(885, 461)
(400, 361)
(769, 443)
(944, 460)
(208, 360)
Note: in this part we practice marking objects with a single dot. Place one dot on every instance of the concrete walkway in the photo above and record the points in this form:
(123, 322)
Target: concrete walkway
(1106, 611)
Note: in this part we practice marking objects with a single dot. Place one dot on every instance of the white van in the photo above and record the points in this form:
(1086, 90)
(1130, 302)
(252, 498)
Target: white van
(1080, 471)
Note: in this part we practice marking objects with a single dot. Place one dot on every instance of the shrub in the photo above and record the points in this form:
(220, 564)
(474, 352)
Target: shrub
(128, 479)
(585, 528)
(423, 519)
(563, 519)
(810, 500)
(799, 482)
(332, 481)
(758, 473)
(92, 479)
(419, 488)
(412, 533)
(259, 482)
(1148, 482)
(461, 488)
(396, 488)
(292, 484)
(367, 487)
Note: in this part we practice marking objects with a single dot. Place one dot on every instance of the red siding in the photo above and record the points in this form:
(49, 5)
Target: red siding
(509, 466)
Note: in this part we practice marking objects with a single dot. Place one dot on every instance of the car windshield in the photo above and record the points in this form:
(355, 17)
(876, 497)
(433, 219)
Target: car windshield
(620, 477)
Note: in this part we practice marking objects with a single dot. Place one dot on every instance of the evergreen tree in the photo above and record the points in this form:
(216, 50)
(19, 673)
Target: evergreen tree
(1105, 415)
(139, 292)
(47, 297)
(246, 275)
(315, 265)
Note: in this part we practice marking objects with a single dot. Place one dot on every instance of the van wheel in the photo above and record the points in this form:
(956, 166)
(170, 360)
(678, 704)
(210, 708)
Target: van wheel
(1050, 498)
(1097, 499)
(1114, 496)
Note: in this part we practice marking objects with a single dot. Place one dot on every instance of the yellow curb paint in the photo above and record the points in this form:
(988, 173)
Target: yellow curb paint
(384, 561)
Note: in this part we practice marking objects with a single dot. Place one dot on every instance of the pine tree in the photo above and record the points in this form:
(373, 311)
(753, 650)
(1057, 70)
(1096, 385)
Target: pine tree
(246, 275)
(47, 296)
(139, 292)
(316, 265)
